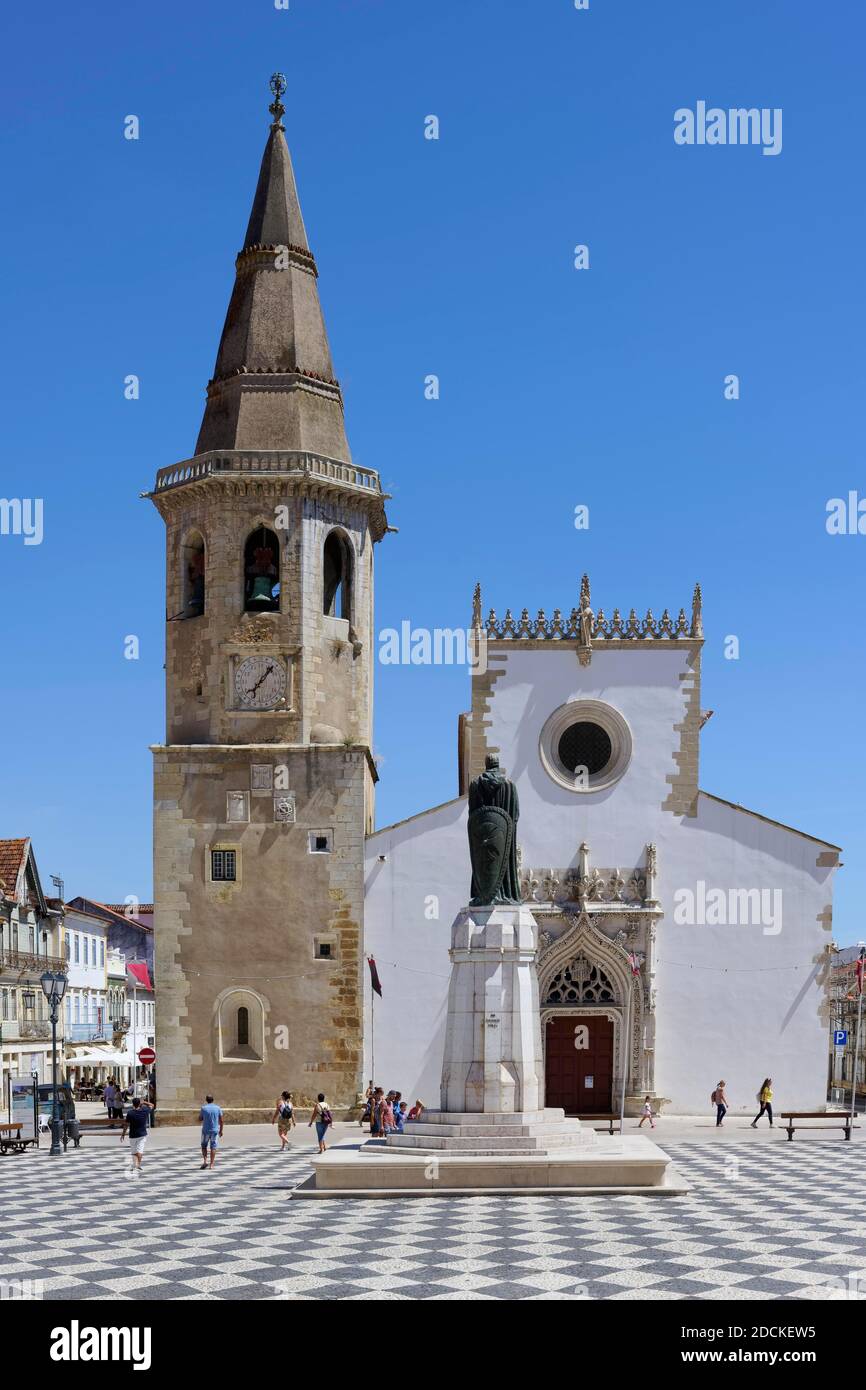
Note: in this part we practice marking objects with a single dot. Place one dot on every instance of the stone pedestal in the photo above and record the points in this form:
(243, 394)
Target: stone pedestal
(493, 1133)
(493, 1059)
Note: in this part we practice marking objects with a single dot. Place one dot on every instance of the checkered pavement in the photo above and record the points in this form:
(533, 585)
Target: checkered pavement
(768, 1222)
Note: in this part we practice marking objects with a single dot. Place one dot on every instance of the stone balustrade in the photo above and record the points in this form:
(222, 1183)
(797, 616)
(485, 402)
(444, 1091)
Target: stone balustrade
(261, 461)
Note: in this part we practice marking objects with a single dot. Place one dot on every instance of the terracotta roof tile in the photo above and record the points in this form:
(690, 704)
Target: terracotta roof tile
(11, 854)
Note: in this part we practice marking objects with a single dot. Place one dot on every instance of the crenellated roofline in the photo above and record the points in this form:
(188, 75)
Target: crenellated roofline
(584, 626)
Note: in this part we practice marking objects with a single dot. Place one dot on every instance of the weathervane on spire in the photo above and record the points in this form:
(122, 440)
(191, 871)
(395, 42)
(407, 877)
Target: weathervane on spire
(277, 85)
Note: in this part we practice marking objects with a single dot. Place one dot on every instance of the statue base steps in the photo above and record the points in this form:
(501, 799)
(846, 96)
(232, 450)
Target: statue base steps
(631, 1166)
(489, 1132)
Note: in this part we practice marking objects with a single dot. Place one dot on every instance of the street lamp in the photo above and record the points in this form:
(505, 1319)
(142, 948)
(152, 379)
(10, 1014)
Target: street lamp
(54, 988)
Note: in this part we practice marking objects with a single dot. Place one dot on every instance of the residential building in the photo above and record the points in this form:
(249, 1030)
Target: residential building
(845, 984)
(30, 944)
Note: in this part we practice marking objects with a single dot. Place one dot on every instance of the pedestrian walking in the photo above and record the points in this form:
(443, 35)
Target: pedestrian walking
(108, 1094)
(211, 1130)
(136, 1123)
(400, 1116)
(764, 1098)
(719, 1099)
(284, 1115)
(322, 1119)
(647, 1114)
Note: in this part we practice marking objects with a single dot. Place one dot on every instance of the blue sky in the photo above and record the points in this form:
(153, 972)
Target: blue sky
(453, 257)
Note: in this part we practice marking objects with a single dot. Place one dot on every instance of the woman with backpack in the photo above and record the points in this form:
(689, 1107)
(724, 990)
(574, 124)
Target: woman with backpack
(720, 1101)
(284, 1115)
(321, 1118)
(765, 1096)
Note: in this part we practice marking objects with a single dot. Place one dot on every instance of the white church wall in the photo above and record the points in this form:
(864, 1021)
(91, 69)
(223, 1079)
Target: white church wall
(411, 900)
(734, 1001)
(742, 1000)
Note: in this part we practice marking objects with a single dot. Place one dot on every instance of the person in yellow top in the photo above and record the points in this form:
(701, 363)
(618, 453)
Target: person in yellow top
(765, 1096)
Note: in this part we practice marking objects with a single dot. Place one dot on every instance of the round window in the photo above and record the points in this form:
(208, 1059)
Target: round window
(585, 745)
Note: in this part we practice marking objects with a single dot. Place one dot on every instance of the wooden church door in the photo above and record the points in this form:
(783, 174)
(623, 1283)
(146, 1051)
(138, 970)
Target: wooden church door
(579, 1064)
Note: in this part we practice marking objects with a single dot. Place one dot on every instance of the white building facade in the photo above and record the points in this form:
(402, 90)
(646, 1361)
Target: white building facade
(683, 939)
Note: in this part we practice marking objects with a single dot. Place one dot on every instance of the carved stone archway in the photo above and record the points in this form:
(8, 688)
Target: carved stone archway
(586, 962)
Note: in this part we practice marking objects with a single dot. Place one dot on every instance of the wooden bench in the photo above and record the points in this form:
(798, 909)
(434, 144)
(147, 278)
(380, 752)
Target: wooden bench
(603, 1122)
(10, 1138)
(831, 1120)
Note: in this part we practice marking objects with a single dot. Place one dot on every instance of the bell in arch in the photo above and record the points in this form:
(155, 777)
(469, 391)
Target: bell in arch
(261, 594)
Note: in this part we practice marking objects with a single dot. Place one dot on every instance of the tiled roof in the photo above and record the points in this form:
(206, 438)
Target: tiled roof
(126, 909)
(12, 852)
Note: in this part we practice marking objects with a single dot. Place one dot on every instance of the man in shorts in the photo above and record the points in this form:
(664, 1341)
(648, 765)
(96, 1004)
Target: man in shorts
(136, 1121)
(211, 1130)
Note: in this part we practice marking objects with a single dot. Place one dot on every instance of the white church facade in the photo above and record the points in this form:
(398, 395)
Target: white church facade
(683, 939)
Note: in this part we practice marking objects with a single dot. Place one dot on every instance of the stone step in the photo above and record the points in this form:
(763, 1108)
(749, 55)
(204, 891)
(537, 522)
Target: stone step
(492, 1117)
(515, 1144)
(539, 1131)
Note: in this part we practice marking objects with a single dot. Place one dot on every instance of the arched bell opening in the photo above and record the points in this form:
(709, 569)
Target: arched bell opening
(262, 572)
(193, 575)
(337, 576)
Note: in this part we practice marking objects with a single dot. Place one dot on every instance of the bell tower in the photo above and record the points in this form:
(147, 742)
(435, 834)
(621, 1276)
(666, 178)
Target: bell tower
(263, 789)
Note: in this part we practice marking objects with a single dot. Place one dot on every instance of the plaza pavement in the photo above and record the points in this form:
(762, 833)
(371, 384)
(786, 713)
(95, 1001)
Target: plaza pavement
(764, 1220)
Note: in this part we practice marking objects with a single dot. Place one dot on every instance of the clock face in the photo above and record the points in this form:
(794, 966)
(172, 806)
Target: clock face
(260, 682)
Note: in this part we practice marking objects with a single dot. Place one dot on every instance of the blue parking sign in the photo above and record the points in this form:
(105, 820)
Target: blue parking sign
(840, 1037)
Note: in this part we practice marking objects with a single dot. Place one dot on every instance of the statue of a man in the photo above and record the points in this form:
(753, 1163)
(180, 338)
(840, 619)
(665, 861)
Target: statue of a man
(493, 814)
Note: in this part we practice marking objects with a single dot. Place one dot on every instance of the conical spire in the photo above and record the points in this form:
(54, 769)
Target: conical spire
(273, 385)
(276, 216)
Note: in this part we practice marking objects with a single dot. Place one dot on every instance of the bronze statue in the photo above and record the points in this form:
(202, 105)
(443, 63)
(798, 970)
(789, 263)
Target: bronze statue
(493, 814)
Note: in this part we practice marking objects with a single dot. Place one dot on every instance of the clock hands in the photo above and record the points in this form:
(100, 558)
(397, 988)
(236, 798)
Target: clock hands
(252, 690)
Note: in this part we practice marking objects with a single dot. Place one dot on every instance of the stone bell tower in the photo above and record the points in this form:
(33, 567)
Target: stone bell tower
(263, 790)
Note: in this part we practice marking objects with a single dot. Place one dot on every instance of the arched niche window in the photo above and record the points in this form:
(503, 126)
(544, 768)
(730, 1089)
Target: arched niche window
(241, 1023)
(262, 572)
(337, 577)
(193, 562)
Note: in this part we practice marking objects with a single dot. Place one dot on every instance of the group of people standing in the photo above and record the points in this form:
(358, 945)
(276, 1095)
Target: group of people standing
(387, 1113)
(719, 1099)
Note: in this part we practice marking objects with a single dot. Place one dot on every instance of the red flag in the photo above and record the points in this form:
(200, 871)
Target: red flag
(633, 962)
(374, 976)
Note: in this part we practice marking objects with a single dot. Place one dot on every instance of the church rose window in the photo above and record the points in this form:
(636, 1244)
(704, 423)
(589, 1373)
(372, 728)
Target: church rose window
(581, 983)
(585, 745)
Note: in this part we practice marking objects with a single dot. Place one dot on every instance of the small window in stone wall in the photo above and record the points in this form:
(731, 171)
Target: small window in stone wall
(223, 865)
(320, 841)
(237, 807)
(325, 947)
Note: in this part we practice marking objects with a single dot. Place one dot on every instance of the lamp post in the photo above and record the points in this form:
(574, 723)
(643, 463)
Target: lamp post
(54, 988)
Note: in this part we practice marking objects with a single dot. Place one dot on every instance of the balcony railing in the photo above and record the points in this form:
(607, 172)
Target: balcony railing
(86, 1032)
(34, 1028)
(27, 960)
(257, 461)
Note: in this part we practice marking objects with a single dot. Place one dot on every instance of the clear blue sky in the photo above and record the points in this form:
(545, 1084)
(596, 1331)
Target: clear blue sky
(453, 257)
